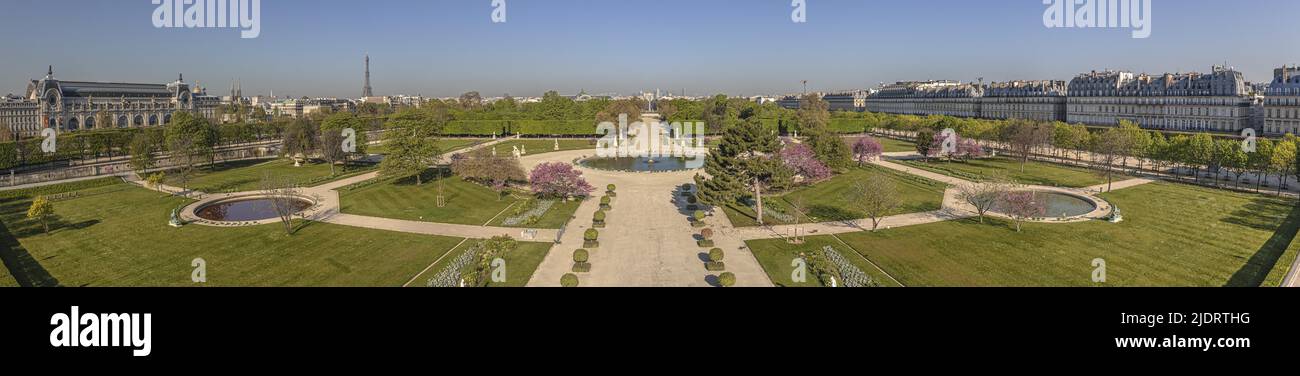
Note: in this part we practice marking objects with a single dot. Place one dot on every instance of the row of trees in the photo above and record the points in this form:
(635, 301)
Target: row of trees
(1115, 149)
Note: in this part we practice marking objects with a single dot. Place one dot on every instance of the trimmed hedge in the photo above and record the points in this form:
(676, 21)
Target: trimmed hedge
(569, 280)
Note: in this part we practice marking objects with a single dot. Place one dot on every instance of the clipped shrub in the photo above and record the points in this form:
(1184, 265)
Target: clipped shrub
(715, 266)
(569, 280)
(727, 279)
(604, 202)
(706, 238)
(692, 203)
(581, 256)
(591, 237)
(581, 267)
(716, 255)
(610, 190)
(598, 219)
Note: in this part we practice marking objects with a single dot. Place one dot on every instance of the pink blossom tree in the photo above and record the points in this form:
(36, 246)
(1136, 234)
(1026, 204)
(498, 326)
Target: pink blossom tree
(968, 148)
(803, 161)
(1021, 205)
(867, 149)
(560, 180)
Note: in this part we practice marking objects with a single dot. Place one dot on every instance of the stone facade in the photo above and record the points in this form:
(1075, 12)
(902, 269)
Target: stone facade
(1218, 101)
(928, 98)
(1282, 102)
(1033, 100)
(76, 105)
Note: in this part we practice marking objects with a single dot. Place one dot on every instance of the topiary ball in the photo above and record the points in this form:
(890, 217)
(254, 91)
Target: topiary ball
(727, 279)
(581, 256)
(591, 235)
(569, 280)
(716, 255)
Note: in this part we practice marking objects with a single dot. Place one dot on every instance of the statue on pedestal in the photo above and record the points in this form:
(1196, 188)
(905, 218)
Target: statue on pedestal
(175, 220)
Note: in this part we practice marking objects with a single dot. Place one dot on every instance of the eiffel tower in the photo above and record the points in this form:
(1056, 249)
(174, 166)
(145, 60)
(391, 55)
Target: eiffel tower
(366, 92)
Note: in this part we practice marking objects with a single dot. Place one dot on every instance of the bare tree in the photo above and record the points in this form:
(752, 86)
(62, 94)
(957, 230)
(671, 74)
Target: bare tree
(1112, 148)
(984, 196)
(1022, 205)
(285, 197)
(876, 198)
(1024, 136)
(331, 147)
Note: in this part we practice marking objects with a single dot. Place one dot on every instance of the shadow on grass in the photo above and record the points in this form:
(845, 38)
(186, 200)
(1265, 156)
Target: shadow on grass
(426, 177)
(22, 266)
(1256, 269)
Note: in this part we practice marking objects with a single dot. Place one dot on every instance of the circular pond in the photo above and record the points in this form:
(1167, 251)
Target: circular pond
(643, 164)
(253, 209)
(1060, 205)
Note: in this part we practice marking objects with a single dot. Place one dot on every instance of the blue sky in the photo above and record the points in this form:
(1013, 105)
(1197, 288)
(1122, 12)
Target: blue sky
(446, 47)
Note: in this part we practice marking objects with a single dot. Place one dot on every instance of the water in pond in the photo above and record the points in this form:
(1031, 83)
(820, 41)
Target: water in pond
(644, 164)
(1063, 205)
(246, 210)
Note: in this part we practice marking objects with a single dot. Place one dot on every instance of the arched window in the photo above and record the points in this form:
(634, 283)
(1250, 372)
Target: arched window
(167, 119)
(122, 122)
(90, 122)
(139, 121)
(153, 120)
(73, 124)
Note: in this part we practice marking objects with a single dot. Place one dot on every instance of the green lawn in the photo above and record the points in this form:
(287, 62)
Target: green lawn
(895, 146)
(243, 176)
(776, 256)
(1035, 173)
(542, 146)
(466, 203)
(1173, 235)
(445, 145)
(117, 235)
(520, 264)
(825, 201)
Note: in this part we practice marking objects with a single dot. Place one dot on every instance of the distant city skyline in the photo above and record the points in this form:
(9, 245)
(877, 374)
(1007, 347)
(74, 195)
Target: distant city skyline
(443, 48)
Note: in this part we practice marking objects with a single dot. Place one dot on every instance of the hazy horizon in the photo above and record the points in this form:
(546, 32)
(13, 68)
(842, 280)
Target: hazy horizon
(740, 47)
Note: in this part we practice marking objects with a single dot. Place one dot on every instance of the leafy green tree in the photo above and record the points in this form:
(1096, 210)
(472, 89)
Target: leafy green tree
(1260, 161)
(412, 143)
(1198, 153)
(41, 210)
(924, 141)
(188, 139)
(1284, 157)
(1234, 159)
(143, 149)
(331, 137)
(742, 166)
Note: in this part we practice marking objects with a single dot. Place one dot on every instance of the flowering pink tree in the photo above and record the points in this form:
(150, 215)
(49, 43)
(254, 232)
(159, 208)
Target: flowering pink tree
(867, 149)
(561, 180)
(936, 145)
(803, 161)
(1021, 205)
(968, 148)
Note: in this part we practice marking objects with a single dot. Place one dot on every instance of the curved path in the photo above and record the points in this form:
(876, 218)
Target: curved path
(648, 241)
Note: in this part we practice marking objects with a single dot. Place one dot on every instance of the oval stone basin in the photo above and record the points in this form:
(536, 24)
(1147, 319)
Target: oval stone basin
(254, 209)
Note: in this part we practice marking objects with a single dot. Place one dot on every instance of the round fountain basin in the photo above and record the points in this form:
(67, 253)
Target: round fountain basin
(629, 164)
(245, 210)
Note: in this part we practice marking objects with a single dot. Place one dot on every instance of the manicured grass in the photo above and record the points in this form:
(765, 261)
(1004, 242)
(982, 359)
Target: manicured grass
(118, 235)
(466, 203)
(1173, 235)
(243, 176)
(1035, 173)
(520, 264)
(776, 256)
(826, 202)
(895, 146)
(542, 146)
(445, 144)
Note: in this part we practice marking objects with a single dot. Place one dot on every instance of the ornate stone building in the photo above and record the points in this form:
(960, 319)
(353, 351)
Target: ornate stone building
(77, 105)
(847, 101)
(1034, 100)
(1215, 102)
(1282, 102)
(928, 98)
